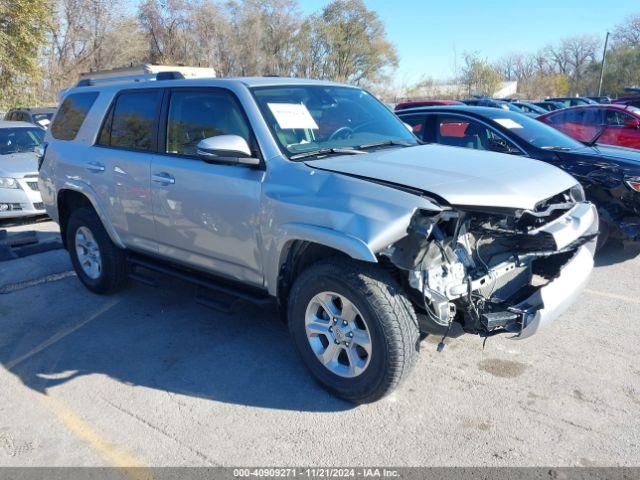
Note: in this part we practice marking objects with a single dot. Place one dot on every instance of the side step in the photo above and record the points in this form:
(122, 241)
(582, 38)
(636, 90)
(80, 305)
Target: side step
(212, 292)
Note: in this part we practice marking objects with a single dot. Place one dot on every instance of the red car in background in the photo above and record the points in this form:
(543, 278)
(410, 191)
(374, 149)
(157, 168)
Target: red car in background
(605, 124)
(425, 103)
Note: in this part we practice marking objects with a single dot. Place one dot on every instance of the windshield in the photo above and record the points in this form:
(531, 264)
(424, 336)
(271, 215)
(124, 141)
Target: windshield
(15, 140)
(309, 118)
(534, 132)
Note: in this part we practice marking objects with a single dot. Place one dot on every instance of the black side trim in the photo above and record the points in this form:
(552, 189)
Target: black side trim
(210, 282)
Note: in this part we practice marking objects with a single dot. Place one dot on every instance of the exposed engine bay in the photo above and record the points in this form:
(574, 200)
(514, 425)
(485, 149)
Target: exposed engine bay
(477, 268)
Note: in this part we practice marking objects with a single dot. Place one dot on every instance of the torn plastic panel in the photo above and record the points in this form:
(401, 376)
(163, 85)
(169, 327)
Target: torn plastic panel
(497, 272)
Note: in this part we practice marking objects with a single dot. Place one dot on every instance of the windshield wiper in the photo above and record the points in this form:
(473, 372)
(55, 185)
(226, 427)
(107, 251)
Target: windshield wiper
(594, 140)
(326, 151)
(385, 143)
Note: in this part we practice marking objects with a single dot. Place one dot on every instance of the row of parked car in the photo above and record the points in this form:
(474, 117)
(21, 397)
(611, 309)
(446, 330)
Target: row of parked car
(365, 228)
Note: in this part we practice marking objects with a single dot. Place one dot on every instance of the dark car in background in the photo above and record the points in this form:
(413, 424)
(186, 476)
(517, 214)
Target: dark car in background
(496, 103)
(425, 103)
(573, 101)
(528, 107)
(604, 124)
(600, 99)
(37, 116)
(549, 105)
(609, 175)
(633, 101)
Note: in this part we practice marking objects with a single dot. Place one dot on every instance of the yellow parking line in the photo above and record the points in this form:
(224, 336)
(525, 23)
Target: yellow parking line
(132, 466)
(612, 295)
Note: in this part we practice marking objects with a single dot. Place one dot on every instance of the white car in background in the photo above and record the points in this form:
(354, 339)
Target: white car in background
(19, 193)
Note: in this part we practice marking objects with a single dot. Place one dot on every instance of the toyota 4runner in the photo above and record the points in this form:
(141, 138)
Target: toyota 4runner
(315, 196)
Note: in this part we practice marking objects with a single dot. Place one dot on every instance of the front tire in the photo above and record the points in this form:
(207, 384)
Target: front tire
(99, 264)
(354, 328)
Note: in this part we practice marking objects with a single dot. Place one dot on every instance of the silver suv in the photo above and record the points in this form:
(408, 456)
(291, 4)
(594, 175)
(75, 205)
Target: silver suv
(315, 196)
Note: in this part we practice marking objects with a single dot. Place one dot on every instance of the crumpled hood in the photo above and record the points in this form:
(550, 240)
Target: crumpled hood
(461, 176)
(17, 165)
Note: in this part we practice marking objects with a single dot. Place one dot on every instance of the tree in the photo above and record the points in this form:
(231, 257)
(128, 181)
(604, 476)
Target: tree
(87, 35)
(477, 76)
(572, 57)
(352, 43)
(627, 34)
(22, 26)
(166, 23)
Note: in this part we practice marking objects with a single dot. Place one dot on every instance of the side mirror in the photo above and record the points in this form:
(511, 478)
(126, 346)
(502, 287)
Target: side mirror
(634, 123)
(226, 149)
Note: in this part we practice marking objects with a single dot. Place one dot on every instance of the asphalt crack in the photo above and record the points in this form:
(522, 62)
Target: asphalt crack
(150, 425)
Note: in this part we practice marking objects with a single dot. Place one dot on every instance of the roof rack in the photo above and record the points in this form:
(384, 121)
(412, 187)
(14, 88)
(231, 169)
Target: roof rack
(160, 76)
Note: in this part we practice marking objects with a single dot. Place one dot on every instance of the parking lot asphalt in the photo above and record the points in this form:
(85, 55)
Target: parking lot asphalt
(148, 377)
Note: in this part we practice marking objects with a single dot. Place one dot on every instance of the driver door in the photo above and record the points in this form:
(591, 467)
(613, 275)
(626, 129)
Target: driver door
(206, 214)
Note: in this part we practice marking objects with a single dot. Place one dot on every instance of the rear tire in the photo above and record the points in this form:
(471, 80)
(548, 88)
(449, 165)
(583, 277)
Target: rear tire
(99, 264)
(380, 312)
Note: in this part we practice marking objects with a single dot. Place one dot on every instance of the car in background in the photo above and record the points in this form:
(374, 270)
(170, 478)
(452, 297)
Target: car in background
(601, 99)
(573, 101)
(37, 116)
(425, 103)
(633, 101)
(19, 192)
(549, 106)
(531, 108)
(610, 176)
(495, 103)
(604, 124)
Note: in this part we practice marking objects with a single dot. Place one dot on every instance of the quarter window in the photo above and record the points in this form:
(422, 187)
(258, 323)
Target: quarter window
(71, 115)
(131, 122)
(196, 115)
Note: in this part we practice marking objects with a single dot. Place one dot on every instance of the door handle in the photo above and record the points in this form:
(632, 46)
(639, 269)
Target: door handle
(95, 167)
(163, 178)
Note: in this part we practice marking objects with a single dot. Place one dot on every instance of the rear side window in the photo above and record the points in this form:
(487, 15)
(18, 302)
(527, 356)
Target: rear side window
(71, 114)
(131, 121)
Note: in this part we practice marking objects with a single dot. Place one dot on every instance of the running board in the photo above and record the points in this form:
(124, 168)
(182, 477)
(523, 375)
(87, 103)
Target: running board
(201, 280)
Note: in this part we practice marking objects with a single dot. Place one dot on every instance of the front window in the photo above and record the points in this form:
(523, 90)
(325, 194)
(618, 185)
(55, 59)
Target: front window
(312, 118)
(196, 115)
(534, 132)
(17, 140)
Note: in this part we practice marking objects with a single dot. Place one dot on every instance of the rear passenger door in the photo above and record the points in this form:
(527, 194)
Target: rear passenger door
(206, 214)
(122, 163)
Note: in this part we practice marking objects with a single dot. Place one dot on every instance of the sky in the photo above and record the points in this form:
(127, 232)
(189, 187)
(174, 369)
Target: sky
(429, 33)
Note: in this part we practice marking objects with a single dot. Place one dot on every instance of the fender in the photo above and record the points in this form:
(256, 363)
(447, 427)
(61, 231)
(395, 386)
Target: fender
(349, 245)
(86, 190)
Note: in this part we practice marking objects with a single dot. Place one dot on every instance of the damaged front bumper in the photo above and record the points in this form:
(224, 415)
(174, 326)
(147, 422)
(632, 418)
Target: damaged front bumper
(492, 275)
(554, 298)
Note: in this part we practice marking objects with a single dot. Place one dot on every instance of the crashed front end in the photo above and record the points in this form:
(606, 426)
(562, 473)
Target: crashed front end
(492, 271)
